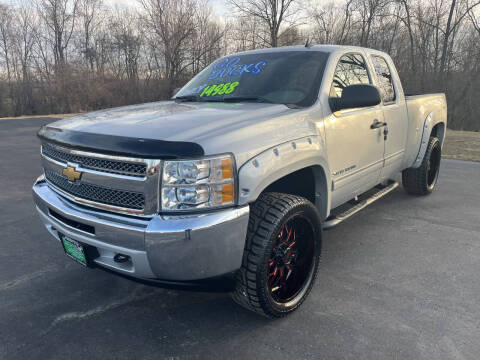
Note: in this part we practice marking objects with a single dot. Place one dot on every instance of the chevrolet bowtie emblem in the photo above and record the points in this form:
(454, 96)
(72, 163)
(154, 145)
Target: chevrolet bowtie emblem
(71, 173)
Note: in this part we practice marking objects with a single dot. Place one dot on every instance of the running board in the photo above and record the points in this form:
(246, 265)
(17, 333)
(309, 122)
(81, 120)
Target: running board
(355, 206)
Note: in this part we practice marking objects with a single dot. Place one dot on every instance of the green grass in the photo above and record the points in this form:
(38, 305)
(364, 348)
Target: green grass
(54, 116)
(462, 145)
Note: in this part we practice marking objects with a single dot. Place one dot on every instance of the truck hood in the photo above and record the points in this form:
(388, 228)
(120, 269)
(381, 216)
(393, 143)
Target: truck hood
(245, 129)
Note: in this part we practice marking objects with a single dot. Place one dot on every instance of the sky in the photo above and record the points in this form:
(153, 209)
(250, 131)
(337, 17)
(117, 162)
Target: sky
(219, 6)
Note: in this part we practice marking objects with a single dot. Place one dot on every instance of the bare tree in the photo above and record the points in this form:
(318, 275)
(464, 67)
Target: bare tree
(332, 22)
(407, 20)
(453, 21)
(273, 13)
(369, 10)
(59, 16)
(126, 39)
(247, 33)
(6, 43)
(172, 23)
(88, 11)
(206, 39)
(6, 34)
(475, 21)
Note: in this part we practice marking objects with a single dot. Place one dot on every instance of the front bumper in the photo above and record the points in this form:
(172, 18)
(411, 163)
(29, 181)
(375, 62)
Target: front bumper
(165, 248)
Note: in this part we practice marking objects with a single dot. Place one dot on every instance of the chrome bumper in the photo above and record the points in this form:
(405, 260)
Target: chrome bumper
(170, 248)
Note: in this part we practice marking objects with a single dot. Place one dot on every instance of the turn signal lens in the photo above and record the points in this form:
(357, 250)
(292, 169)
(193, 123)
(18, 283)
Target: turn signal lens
(227, 193)
(227, 168)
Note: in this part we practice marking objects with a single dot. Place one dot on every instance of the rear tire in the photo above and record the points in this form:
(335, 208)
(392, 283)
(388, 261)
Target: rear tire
(422, 180)
(281, 255)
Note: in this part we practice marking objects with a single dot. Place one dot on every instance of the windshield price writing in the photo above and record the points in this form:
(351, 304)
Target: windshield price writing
(220, 89)
(232, 68)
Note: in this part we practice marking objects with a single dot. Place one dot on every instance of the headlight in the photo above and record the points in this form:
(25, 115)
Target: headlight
(198, 184)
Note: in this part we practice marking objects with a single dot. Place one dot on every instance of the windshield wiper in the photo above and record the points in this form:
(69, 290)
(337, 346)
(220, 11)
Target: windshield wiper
(187, 98)
(246, 98)
(257, 99)
(196, 98)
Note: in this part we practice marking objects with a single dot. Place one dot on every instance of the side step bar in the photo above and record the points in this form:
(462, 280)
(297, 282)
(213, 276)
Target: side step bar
(355, 206)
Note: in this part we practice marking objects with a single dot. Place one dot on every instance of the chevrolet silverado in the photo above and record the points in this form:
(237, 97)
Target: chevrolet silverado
(232, 180)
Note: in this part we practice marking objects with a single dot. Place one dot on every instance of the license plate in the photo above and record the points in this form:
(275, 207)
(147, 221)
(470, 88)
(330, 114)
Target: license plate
(74, 249)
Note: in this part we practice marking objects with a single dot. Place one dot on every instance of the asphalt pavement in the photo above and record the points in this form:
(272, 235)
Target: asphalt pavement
(400, 280)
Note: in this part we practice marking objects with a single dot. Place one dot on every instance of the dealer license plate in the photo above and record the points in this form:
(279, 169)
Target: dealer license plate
(74, 249)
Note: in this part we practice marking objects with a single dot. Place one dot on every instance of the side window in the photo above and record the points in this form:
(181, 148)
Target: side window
(351, 69)
(384, 77)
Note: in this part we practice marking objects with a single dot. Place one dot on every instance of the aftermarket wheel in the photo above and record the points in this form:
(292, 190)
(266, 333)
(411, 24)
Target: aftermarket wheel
(422, 180)
(281, 256)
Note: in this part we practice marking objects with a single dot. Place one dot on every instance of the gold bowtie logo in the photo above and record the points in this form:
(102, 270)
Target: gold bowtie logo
(71, 173)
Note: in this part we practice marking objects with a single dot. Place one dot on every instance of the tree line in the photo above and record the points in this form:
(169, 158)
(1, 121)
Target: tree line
(60, 56)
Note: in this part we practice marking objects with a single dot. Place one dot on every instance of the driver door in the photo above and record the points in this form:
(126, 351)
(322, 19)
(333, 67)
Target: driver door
(355, 151)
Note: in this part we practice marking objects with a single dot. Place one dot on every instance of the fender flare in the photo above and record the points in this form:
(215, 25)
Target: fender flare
(256, 174)
(429, 124)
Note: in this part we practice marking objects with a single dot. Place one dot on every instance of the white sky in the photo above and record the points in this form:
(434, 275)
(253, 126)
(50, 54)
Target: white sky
(219, 6)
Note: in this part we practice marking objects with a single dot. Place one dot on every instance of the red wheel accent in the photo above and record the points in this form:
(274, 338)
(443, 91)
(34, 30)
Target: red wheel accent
(291, 259)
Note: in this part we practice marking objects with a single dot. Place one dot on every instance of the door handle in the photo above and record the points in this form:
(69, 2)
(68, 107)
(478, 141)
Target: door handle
(385, 133)
(377, 124)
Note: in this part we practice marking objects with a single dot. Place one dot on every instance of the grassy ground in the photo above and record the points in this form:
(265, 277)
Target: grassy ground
(463, 145)
(54, 116)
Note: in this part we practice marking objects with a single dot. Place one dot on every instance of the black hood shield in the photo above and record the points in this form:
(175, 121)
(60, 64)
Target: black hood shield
(121, 145)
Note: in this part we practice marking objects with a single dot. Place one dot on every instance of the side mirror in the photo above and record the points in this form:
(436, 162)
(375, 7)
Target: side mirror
(176, 90)
(356, 96)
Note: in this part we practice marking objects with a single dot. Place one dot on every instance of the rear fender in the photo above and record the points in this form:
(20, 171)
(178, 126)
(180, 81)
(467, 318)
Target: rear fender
(432, 119)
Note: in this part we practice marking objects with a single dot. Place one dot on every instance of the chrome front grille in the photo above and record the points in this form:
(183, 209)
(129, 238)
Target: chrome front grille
(98, 194)
(113, 183)
(103, 165)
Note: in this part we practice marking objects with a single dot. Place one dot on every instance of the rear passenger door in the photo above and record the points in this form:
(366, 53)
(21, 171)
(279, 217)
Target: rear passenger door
(355, 151)
(394, 112)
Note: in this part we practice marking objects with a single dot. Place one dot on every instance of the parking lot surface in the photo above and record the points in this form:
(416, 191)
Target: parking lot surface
(399, 280)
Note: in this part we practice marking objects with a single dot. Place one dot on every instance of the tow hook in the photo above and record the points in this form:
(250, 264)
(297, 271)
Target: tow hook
(121, 258)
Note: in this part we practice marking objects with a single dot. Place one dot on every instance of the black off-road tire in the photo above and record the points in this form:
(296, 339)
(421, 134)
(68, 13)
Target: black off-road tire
(422, 180)
(268, 216)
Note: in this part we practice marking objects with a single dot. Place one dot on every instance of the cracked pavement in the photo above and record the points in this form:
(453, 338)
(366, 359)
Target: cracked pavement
(399, 280)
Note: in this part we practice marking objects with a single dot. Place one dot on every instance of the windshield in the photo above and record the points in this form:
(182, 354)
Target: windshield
(288, 77)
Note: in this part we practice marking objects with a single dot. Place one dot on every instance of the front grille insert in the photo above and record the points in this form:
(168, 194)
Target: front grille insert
(98, 194)
(72, 223)
(95, 163)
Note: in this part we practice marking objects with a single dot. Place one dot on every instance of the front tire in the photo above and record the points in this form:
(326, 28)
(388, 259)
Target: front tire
(281, 255)
(422, 180)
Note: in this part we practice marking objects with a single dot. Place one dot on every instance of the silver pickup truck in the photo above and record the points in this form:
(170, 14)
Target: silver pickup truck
(231, 182)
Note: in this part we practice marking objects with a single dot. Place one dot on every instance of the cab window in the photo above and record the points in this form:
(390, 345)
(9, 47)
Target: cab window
(351, 70)
(384, 77)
